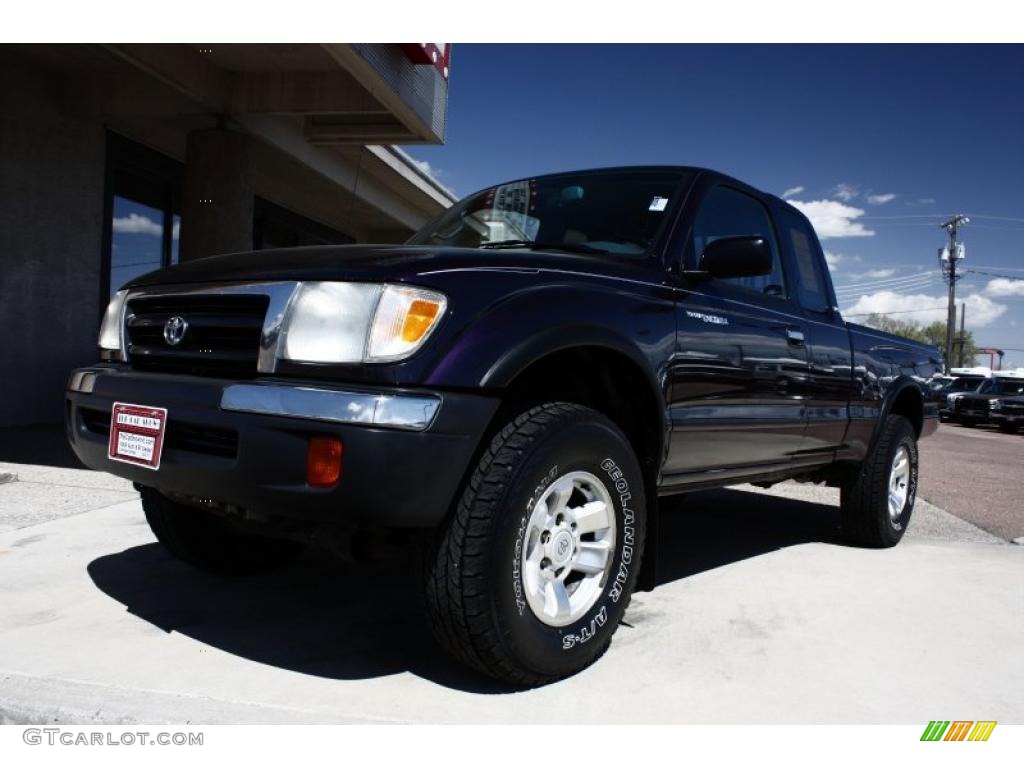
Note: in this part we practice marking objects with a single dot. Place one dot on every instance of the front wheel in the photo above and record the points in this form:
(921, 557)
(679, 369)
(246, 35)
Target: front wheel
(536, 566)
(877, 503)
(1008, 427)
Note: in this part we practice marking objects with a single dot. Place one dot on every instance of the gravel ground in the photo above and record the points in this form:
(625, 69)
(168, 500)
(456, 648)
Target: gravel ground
(976, 474)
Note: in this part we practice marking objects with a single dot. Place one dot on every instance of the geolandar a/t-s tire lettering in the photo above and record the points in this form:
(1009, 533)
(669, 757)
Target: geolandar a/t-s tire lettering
(536, 567)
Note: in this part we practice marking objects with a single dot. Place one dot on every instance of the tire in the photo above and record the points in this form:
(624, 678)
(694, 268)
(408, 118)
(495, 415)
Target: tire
(967, 422)
(1009, 429)
(867, 517)
(211, 544)
(486, 582)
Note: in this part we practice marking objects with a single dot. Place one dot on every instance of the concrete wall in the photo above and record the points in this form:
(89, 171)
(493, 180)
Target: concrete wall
(51, 217)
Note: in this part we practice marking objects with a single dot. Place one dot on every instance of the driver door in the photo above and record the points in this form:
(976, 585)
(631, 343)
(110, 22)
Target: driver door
(740, 369)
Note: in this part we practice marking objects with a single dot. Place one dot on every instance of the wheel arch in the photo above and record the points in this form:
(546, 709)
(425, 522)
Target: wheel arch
(903, 399)
(604, 374)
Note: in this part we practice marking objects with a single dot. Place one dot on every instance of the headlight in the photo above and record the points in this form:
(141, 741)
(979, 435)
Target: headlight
(995, 404)
(112, 325)
(358, 322)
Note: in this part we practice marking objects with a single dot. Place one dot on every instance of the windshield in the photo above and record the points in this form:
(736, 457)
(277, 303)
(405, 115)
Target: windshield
(965, 383)
(610, 212)
(1008, 387)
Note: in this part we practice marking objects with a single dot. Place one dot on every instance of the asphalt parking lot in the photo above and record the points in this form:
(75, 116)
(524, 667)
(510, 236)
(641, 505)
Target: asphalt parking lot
(977, 473)
(763, 615)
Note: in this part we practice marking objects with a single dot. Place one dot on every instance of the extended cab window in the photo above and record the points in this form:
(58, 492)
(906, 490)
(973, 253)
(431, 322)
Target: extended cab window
(727, 212)
(809, 260)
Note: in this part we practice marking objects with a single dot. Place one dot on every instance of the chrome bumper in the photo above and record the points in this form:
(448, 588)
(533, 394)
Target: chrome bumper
(414, 412)
(398, 411)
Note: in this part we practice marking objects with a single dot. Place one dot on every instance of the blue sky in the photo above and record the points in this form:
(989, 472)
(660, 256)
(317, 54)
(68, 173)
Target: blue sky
(878, 144)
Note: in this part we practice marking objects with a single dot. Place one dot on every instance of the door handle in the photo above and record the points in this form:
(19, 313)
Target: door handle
(795, 337)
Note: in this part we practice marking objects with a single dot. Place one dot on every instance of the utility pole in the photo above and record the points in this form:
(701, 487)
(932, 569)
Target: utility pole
(963, 334)
(948, 260)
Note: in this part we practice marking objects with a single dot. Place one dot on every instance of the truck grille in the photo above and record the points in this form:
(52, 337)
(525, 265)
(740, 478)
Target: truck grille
(222, 335)
(972, 405)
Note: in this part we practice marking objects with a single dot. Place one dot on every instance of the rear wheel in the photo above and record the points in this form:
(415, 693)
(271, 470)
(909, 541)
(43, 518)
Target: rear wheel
(1008, 428)
(967, 422)
(876, 504)
(209, 543)
(536, 566)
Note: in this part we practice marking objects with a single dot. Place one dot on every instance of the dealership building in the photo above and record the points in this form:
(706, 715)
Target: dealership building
(119, 159)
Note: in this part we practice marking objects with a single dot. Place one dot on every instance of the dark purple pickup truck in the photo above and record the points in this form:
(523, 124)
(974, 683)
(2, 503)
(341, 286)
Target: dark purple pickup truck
(514, 389)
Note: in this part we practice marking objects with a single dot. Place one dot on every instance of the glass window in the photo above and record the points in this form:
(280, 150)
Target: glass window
(145, 210)
(605, 212)
(176, 239)
(136, 242)
(811, 283)
(1008, 387)
(727, 212)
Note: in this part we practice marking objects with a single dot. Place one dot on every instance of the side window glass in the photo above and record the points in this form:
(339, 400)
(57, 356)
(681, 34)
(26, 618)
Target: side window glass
(810, 277)
(729, 213)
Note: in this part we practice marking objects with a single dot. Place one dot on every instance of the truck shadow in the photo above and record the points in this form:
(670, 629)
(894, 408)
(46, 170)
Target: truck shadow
(344, 621)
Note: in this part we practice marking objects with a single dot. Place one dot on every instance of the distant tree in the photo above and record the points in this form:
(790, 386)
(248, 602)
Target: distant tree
(934, 334)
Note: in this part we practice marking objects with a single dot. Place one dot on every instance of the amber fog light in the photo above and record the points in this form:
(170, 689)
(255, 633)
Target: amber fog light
(323, 462)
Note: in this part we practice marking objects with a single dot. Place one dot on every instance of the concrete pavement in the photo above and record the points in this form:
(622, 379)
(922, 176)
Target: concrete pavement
(763, 616)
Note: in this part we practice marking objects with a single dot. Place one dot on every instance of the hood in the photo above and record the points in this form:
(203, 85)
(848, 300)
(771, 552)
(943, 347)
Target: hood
(385, 263)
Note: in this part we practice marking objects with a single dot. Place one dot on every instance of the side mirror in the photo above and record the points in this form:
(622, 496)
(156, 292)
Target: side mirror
(737, 257)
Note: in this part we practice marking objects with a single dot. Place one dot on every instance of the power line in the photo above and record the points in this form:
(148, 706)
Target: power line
(894, 281)
(894, 312)
(995, 274)
(901, 285)
(995, 218)
(907, 216)
(893, 278)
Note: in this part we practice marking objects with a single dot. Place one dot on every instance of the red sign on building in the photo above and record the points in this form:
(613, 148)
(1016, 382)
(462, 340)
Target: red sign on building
(438, 54)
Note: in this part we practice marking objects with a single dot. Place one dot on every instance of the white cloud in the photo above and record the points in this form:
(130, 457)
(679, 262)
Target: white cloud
(1003, 286)
(877, 274)
(792, 191)
(832, 218)
(135, 224)
(888, 197)
(833, 260)
(845, 192)
(981, 310)
(425, 167)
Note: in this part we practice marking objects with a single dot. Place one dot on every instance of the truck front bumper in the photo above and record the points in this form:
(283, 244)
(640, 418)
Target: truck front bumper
(405, 453)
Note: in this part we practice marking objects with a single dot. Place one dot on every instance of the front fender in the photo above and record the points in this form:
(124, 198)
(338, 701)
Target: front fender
(526, 326)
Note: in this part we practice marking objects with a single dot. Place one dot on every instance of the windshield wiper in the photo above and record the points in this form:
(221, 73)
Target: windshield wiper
(536, 245)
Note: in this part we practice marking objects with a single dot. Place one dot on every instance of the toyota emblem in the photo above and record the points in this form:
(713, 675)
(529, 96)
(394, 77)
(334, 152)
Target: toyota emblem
(175, 329)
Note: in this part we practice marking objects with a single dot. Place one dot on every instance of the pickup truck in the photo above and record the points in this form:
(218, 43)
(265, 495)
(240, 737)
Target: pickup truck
(514, 388)
(986, 403)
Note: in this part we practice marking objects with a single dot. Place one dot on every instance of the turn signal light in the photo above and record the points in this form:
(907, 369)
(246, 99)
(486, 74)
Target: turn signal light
(421, 316)
(323, 461)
